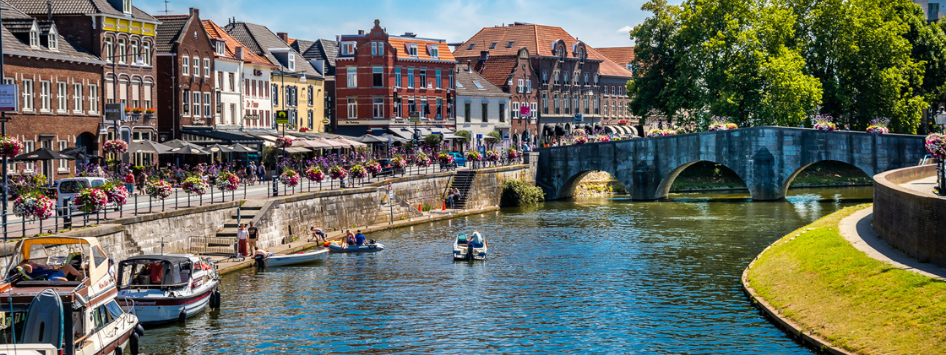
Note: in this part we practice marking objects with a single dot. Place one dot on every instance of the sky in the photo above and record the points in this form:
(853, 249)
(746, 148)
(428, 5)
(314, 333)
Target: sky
(600, 23)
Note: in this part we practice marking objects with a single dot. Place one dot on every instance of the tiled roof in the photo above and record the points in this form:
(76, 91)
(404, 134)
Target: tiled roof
(497, 69)
(538, 39)
(609, 67)
(13, 45)
(321, 49)
(231, 44)
(10, 12)
(620, 55)
(169, 31)
(400, 43)
(465, 85)
(261, 41)
(76, 7)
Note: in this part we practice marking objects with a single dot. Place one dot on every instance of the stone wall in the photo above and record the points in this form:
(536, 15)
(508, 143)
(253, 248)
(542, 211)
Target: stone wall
(911, 221)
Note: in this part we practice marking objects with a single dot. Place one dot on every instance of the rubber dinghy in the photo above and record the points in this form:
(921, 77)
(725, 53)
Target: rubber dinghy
(464, 250)
(291, 259)
(44, 323)
(366, 248)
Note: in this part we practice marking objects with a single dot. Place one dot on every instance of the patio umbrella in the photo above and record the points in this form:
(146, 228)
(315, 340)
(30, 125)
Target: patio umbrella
(216, 148)
(370, 139)
(239, 148)
(318, 143)
(349, 142)
(42, 154)
(148, 147)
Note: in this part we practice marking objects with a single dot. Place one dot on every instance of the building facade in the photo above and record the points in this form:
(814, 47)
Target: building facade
(227, 72)
(382, 79)
(185, 61)
(59, 88)
(121, 35)
(481, 106)
(321, 54)
(614, 78)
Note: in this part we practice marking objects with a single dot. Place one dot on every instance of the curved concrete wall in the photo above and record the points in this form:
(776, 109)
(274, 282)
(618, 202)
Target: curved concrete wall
(911, 221)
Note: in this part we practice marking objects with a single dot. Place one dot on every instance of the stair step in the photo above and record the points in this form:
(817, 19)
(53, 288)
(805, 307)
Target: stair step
(211, 250)
(249, 208)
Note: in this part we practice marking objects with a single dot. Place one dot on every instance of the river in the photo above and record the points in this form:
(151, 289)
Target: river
(587, 275)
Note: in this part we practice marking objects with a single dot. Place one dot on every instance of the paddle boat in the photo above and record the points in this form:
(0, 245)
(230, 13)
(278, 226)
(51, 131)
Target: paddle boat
(167, 288)
(58, 294)
(369, 247)
(273, 260)
(464, 250)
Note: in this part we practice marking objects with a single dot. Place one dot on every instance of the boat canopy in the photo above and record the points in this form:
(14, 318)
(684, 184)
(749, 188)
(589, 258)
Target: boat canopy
(155, 271)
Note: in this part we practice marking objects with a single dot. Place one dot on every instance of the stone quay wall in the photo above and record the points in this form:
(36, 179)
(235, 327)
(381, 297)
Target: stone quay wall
(911, 221)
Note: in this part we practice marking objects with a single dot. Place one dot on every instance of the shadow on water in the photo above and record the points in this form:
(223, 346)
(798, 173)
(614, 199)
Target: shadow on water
(585, 275)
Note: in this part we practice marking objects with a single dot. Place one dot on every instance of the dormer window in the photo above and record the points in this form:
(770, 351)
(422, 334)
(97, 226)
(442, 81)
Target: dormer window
(34, 36)
(348, 48)
(581, 54)
(221, 48)
(412, 49)
(561, 54)
(434, 51)
(291, 62)
(53, 38)
(126, 6)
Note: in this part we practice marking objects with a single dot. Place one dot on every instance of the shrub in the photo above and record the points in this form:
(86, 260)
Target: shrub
(518, 193)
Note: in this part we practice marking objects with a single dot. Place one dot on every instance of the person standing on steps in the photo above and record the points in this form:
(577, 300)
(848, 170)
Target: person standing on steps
(242, 236)
(252, 236)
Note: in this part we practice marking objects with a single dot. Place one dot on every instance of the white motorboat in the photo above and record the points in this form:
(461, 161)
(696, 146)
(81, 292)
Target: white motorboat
(167, 288)
(464, 250)
(52, 307)
(351, 248)
(291, 259)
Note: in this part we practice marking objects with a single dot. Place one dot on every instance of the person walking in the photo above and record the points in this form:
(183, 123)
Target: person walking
(261, 173)
(251, 173)
(242, 236)
(252, 236)
(130, 183)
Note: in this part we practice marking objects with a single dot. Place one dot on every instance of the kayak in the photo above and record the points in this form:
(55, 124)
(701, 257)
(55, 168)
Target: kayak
(293, 259)
(463, 250)
(367, 248)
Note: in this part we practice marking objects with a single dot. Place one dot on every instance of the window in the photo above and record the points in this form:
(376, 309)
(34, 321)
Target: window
(207, 109)
(532, 108)
(374, 48)
(439, 79)
(509, 45)
(348, 48)
(576, 103)
(423, 78)
(434, 51)
(545, 77)
(585, 103)
(352, 77)
(556, 77)
(134, 52)
(492, 45)
(275, 95)
(565, 101)
(605, 108)
(425, 108)
(185, 66)
(93, 98)
(502, 112)
(53, 40)
(521, 86)
(397, 77)
(596, 79)
(411, 106)
(932, 12)
(555, 99)
(466, 112)
(478, 85)
(528, 85)
(470, 47)
(451, 80)
(126, 6)
(121, 51)
(311, 117)
(311, 95)
(27, 97)
(221, 48)
(485, 112)
(45, 101)
(196, 110)
(196, 66)
(377, 77)
(597, 106)
(62, 100)
(565, 78)
(291, 62)
(352, 108)
(230, 81)
(146, 53)
(34, 37)
(377, 107)
(440, 108)
(77, 98)
(576, 78)
(586, 79)
(206, 67)
(251, 87)
(515, 110)
(136, 93)
(410, 77)
(109, 50)
(29, 146)
(398, 109)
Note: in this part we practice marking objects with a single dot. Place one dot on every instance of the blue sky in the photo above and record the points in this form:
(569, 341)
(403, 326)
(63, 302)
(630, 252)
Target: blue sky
(600, 23)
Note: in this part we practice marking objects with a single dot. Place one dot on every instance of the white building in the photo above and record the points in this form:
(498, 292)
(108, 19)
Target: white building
(481, 106)
(242, 81)
(933, 9)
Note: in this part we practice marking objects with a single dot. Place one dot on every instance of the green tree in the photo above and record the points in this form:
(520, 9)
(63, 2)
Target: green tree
(433, 140)
(656, 87)
(465, 137)
(492, 138)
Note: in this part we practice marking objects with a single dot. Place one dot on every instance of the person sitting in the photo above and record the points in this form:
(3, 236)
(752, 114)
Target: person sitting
(359, 238)
(263, 253)
(349, 239)
(33, 271)
(477, 240)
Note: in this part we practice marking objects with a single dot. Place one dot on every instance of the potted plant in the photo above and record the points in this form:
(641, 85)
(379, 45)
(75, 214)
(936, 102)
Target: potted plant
(824, 123)
(879, 125)
(149, 112)
(10, 146)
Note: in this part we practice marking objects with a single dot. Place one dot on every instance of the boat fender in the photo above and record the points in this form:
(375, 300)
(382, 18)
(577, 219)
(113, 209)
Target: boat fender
(118, 350)
(140, 330)
(371, 241)
(182, 317)
(133, 343)
(259, 261)
(215, 300)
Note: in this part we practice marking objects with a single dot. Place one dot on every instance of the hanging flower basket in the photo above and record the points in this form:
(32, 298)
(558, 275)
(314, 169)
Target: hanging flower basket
(283, 142)
(33, 205)
(358, 172)
(227, 181)
(422, 160)
(195, 185)
(398, 163)
(116, 193)
(512, 153)
(580, 140)
(115, 146)
(158, 189)
(373, 167)
(314, 174)
(824, 123)
(474, 156)
(289, 177)
(10, 147)
(936, 145)
(337, 172)
(91, 199)
(445, 159)
(492, 155)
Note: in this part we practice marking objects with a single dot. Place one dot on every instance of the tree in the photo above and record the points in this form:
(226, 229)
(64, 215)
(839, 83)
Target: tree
(465, 137)
(432, 140)
(492, 138)
(656, 87)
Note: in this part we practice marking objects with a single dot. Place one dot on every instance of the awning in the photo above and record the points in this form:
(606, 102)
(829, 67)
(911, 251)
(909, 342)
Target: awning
(297, 150)
(351, 131)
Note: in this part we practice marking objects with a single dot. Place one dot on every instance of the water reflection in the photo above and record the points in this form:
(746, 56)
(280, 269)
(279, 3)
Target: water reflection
(589, 275)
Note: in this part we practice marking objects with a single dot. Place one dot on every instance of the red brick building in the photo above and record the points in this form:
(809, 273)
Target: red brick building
(123, 37)
(381, 78)
(59, 89)
(185, 61)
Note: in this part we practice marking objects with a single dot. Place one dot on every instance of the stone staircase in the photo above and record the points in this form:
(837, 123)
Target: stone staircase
(463, 181)
(222, 243)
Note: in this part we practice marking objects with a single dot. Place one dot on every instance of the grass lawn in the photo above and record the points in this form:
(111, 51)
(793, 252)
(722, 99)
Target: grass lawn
(819, 281)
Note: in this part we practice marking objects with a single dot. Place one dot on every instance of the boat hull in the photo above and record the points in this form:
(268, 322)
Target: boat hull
(295, 259)
(367, 248)
(152, 309)
(461, 251)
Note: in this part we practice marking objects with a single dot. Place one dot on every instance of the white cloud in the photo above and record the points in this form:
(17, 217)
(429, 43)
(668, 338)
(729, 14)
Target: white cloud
(625, 29)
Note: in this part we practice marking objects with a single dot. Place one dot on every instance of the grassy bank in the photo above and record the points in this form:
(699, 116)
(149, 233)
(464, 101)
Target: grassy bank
(711, 176)
(818, 280)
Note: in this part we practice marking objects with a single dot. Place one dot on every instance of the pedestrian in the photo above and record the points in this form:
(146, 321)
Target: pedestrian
(261, 173)
(130, 183)
(142, 178)
(242, 236)
(252, 236)
(251, 173)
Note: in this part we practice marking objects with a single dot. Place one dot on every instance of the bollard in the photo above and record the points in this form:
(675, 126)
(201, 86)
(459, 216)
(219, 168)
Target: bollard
(67, 215)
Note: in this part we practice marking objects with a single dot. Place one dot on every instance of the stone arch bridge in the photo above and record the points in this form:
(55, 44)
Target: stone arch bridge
(766, 158)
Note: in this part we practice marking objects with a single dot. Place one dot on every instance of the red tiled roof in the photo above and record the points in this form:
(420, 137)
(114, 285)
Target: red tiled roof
(609, 67)
(620, 55)
(538, 39)
(400, 44)
(215, 31)
(497, 69)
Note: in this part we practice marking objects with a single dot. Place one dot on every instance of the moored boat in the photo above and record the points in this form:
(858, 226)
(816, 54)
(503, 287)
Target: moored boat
(167, 288)
(62, 286)
(291, 259)
(364, 248)
(464, 249)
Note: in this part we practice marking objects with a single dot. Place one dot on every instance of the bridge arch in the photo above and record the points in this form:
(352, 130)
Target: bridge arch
(571, 184)
(783, 189)
(667, 181)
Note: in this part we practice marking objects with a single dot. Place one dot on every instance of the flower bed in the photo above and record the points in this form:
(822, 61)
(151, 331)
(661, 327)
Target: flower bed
(158, 189)
(824, 123)
(283, 142)
(398, 163)
(115, 146)
(337, 172)
(10, 146)
(314, 174)
(722, 123)
(580, 140)
(91, 199)
(358, 172)
(227, 181)
(657, 132)
(289, 177)
(602, 139)
(33, 205)
(936, 145)
(879, 125)
(195, 185)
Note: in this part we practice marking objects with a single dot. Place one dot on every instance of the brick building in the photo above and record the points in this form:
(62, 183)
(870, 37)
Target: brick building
(123, 37)
(382, 78)
(59, 86)
(614, 77)
(563, 75)
(481, 106)
(185, 64)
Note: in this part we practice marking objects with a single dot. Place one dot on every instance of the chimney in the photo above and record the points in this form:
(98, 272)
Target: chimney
(283, 36)
(49, 10)
(195, 12)
(239, 52)
(469, 66)
(361, 32)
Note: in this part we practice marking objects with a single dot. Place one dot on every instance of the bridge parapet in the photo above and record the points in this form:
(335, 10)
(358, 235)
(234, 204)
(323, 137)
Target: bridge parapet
(766, 158)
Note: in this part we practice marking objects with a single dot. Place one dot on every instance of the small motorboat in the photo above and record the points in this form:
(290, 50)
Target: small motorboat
(370, 247)
(167, 288)
(291, 259)
(464, 250)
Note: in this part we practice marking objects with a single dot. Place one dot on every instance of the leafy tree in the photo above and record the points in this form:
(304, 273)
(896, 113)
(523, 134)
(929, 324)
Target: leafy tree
(492, 138)
(656, 88)
(465, 137)
(432, 140)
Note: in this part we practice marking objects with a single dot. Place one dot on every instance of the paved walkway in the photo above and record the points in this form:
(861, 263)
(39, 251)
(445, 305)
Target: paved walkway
(858, 230)
(925, 185)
